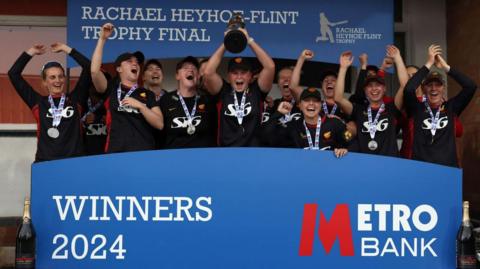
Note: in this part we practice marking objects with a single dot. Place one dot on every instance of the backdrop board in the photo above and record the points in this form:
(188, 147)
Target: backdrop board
(244, 208)
(169, 29)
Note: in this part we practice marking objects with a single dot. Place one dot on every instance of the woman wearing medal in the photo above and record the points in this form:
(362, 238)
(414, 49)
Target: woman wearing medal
(376, 121)
(312, 132)
(188, 114)
(132, 111)
(328, 79)
(58, 115)
(241, 98)
(432, 117)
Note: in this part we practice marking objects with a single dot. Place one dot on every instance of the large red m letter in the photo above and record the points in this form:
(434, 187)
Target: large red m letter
(339, 225)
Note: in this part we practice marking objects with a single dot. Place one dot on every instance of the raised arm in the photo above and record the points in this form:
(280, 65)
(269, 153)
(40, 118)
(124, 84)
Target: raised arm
(266, 76)
(394, 53)
(410, 97)
(346, 60)
(461, 100)
(297, 71)
(23, 88)
(212, 80)
(358, 96)
(98, 78)
(84, 82)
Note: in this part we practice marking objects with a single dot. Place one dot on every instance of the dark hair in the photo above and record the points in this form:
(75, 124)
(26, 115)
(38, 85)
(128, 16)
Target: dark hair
(127, 55)
(372, 68)
(50, 65)
(189, 59)
(287, 67)
(154, 62)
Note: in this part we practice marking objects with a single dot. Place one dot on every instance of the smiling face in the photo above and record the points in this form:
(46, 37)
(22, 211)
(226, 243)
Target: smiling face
(129, 70)
(310, 107)
(239, 79)
(153, 75)
(187, 76)
(283, 82)
(434, 91)
(375, 91)
(54, 80)
(328, 86)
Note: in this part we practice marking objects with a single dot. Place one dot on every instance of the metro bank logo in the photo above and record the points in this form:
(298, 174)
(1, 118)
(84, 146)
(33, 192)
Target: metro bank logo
(391, 219)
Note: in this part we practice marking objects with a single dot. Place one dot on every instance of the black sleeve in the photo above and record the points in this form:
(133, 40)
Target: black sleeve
(355, 108)
(461, 100)
(162, 103)
(26, 92)
(397, 114)
(359, 95)
(213, 117)
(80, 92)
(274, 134)
(151, 102)
(409, 94)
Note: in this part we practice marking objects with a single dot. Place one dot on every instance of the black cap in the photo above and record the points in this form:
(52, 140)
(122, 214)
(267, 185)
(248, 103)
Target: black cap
(327, 73)
(127, 55)
(154, 62)
(434, 76)
(372, 68)
(311, 92)
(239, 63)
(375, 78)
(188, 59)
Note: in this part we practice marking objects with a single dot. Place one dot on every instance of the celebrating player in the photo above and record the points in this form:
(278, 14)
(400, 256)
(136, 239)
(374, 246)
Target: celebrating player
(131, 110)
(58, 114)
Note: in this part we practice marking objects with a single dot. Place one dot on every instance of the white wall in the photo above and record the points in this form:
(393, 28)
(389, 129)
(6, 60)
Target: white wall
(425, 24)
(17, 155)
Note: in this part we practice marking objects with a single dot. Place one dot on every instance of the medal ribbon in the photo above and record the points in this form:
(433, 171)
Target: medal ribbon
(239, 109)
(372, 126)
(185, 109)
(317, 135)
(435, 119)
(56, 112)
(325, 109)
(119, 93)
(90, 108)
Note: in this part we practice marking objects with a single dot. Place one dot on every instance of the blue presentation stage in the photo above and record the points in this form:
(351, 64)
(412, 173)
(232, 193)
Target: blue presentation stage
(244, 208)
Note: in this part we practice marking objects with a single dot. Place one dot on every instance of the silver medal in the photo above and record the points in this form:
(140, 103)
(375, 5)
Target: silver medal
(191, 129)
(53, 132)
(372, 145)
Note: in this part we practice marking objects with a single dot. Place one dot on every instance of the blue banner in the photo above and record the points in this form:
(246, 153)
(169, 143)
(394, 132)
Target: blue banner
(169, 29)
(244, 208)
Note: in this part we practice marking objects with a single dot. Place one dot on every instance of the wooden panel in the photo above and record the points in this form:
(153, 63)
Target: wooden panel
(34, 8)
(12, 107)
(463, 50)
